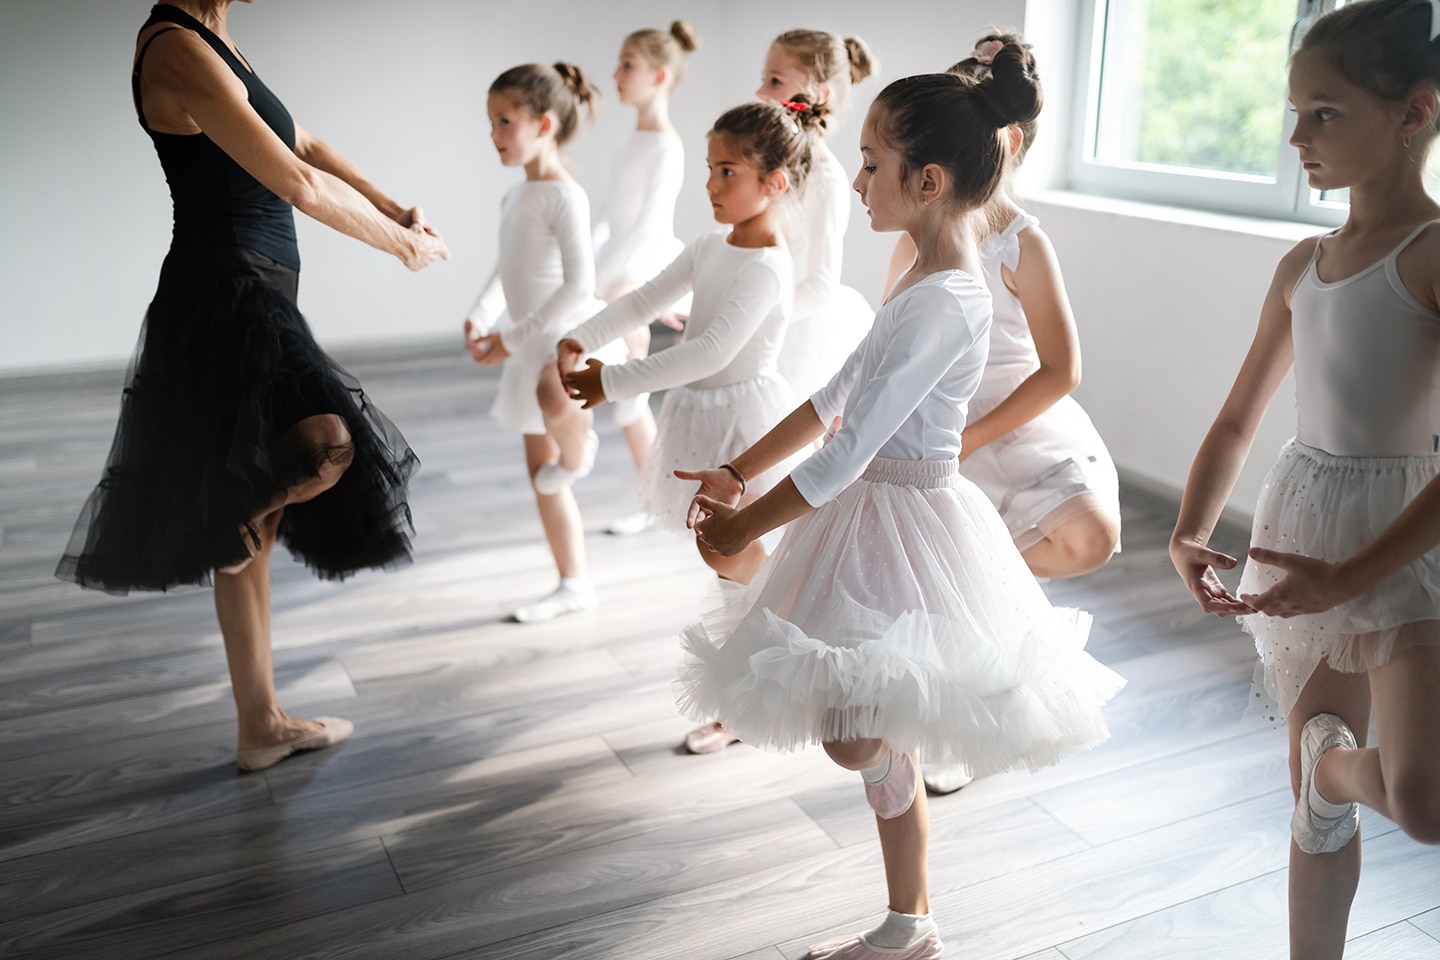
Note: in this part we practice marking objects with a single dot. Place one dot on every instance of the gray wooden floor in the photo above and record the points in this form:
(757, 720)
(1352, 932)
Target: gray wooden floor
(515, 791)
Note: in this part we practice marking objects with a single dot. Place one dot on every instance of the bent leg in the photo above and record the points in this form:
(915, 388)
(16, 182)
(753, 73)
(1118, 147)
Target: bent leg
(1399, 778)
(1080, 543)
(565, 420)
(1322, 886)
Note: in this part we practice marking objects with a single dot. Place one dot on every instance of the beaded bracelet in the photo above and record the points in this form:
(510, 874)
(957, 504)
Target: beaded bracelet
(735, 471)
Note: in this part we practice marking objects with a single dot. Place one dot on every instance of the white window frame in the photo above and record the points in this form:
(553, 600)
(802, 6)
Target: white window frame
(1287, 196)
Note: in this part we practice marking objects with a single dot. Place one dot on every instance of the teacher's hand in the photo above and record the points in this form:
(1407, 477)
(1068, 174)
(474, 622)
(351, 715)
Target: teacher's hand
(414, 219)
(423, 249)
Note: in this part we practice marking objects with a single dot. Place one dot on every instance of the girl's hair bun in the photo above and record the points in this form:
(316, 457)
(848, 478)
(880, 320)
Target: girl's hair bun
(810, 117)
(1011, 93)
(685, 36)
(862, 62)
(577, 83)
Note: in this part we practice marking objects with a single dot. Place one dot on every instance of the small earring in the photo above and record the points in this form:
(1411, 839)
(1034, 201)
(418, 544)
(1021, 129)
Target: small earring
(1406, 140)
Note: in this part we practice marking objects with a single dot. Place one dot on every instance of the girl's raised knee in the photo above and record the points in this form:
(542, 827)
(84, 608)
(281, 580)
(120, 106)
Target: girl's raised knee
(1415, 805)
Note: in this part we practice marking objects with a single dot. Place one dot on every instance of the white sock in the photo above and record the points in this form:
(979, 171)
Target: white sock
(899, 930)
(575, 585)
(878, 772)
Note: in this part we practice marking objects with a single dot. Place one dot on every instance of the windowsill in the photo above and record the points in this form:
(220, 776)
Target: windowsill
(1287, 230)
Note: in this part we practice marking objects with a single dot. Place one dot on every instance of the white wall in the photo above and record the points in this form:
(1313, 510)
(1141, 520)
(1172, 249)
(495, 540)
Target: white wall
(400, 88)
(1166, 312)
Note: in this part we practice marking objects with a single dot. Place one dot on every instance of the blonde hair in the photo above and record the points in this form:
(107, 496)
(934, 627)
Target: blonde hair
(829, 59)
(667, 50)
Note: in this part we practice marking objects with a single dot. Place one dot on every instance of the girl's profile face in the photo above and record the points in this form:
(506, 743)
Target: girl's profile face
(880, 182)
(515, 131)
(738, 191)
(636, 78)
(783, 78)
(1343, 133)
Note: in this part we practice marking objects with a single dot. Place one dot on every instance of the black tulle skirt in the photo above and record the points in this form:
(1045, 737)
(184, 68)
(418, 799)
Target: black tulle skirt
(225, 366)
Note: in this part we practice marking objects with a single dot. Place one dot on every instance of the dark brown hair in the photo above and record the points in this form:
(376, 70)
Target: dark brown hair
(829, 58)
(667, 50)
(1381, 46)
(954, 120)
(773, 137)
(978, 70)
(561, 89)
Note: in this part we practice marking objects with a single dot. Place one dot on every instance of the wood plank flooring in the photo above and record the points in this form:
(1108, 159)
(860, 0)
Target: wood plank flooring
(515, 792)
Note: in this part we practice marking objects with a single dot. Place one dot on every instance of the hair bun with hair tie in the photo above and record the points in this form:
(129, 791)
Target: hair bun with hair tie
(985, 52)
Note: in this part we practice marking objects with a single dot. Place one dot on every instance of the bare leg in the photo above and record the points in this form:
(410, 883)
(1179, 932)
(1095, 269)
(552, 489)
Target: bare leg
(741, 568)
(242, 599)
(1082, 543)
(903, 839)
(565, 421)
(559, 513)
(1399, 778)
(1322, 886)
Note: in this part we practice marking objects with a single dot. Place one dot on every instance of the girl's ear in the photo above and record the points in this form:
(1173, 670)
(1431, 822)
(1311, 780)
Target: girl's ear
(662, 76)
(931, 182)
(1016, 138)
(1420, 110)
(547, 123)
(777, 182)
(827, 93)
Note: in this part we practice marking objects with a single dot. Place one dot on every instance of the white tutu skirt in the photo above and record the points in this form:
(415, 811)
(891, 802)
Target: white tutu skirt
(1033, 472)
(516, 407)
(900, 610)
(700, 428)
(816, 346)
(1319, 505)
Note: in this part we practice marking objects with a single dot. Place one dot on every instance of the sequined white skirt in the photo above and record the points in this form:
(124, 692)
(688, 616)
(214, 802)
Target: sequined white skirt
(1320, 505)
(700, 428)
(900, 610)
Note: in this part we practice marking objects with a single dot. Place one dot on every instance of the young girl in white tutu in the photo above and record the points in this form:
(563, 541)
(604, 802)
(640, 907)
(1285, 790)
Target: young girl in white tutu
(724, 392)
(1029, 446)
(896, 617)
(829, 318)
(543, 283)
(1342, 587)
(635, 235)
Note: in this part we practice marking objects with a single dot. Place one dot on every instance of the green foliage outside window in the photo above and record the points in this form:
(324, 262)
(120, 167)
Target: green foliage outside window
(1214, 82)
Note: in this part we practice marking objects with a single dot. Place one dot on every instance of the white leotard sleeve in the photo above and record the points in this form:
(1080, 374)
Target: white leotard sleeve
(926, 338)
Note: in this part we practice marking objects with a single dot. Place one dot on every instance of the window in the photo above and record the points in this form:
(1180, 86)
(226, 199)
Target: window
(1186, 103)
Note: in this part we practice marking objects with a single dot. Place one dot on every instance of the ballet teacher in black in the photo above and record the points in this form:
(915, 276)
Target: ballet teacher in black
(236, 431)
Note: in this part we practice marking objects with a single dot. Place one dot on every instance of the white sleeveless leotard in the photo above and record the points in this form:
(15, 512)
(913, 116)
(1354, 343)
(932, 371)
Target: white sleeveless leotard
(1367, 355)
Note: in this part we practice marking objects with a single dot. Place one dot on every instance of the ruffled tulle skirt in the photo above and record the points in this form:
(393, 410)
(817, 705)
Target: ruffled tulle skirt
(226, 365)
(705, 427)
(1033, 472)
(816, 345)
(900, 610)
(1328, 507)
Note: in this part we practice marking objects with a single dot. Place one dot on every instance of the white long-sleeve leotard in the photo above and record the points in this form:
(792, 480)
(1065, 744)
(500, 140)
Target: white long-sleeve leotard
(635, 234)
(545, 274)
(905, 391)
(818, 245)
(736, 325)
